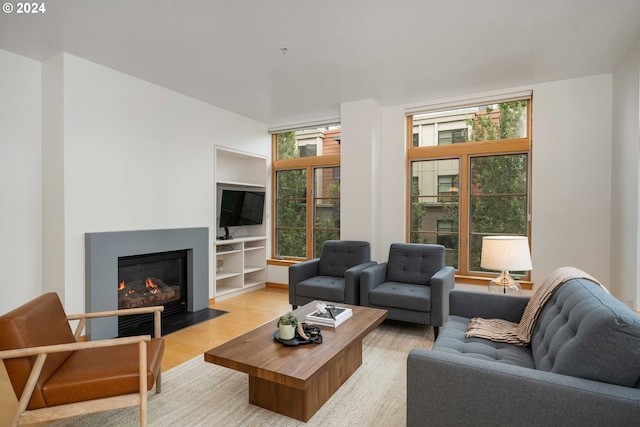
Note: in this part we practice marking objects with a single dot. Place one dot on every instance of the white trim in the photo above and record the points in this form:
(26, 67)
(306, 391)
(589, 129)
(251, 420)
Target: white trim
(290, 127)
(467, 102)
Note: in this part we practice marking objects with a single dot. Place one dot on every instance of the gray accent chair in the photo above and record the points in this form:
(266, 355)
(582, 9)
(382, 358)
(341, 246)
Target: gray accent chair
(413, 286)
(333, 277)
(581, 369)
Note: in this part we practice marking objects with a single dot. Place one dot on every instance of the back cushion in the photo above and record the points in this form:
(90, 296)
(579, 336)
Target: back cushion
(583, 331)
(414, 262)
(337, 256)
(41, 321)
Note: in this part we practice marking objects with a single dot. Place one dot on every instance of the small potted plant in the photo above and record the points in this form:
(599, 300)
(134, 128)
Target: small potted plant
(287, 326)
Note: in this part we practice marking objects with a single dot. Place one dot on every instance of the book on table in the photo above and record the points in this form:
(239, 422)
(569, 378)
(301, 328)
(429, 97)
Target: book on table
(333, 316)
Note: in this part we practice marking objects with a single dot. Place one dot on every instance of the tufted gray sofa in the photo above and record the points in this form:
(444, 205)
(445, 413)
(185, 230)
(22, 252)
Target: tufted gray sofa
(582, 368)
(334, 276)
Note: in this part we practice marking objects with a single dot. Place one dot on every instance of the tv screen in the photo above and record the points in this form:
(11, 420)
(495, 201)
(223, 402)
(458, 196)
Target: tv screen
(241, 207)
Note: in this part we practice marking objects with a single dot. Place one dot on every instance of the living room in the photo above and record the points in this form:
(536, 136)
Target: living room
(87, 148)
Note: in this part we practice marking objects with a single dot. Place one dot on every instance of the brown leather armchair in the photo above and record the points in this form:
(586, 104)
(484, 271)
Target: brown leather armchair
(56, 376)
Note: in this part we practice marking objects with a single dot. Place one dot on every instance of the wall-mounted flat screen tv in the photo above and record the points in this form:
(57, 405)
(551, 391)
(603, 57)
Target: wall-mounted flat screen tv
(240, 207)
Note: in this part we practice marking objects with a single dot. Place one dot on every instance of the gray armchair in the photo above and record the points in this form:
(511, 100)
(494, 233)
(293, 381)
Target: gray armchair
(335, 276)
(413, 286)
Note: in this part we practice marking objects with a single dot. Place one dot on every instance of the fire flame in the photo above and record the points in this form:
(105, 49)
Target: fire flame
(121, 286)
(151, 287)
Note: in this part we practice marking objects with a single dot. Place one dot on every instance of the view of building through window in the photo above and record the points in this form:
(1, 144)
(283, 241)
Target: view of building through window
(307, 196)
(463, 187)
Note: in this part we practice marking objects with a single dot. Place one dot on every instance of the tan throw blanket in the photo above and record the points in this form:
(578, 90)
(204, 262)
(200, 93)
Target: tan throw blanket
(500, 330)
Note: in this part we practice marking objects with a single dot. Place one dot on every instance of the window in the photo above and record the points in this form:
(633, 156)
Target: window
(307, 196)
(447, 185)
(470, 178)
(307, 150)
(452, 136)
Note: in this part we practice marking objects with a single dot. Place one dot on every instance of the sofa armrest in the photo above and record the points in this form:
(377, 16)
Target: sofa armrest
(369, 279)
(455, 390)
(442, 284)
(299, 272)
(471, 304)
(59, 348)
(352, 278)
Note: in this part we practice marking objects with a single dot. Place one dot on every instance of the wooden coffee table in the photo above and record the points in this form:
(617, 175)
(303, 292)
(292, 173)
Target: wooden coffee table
(297, 380)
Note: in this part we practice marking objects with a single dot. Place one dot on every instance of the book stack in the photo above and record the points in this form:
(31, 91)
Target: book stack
(332, 316)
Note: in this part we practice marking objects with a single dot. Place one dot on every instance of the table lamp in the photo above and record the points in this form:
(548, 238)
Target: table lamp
(505, 253)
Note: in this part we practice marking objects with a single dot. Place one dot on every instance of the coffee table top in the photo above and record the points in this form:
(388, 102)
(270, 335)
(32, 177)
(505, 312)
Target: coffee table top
(258, 354)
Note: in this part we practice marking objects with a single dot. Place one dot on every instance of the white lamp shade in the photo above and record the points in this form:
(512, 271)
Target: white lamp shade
(510, 253)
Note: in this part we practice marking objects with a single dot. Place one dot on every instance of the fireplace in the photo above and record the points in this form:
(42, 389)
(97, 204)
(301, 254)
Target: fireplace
(106, 251)
(151, 279)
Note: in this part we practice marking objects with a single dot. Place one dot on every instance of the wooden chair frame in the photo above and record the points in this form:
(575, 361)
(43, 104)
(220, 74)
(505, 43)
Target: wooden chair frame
(23, 416)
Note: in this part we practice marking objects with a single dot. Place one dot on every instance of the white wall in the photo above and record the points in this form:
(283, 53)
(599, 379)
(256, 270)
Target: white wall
(571, 180)
(393, 183)
(625, 254)
(360, 147)
(53, 197)
(20, 180)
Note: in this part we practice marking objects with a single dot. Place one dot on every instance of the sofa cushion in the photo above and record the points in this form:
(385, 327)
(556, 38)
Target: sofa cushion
(338, 256)
(583, 331)
(401, 295)
(452, 340)
(414, 263)
(327, 288)
(96, 373)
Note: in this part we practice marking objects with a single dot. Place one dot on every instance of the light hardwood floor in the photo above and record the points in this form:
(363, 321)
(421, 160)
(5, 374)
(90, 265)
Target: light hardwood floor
(245, 312)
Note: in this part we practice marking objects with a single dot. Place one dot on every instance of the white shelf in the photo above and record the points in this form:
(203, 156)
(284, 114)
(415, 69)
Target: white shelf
(240, 184)
(243, 267)
(239, 168)
(243, 258)
(222, 276)
(236, 251)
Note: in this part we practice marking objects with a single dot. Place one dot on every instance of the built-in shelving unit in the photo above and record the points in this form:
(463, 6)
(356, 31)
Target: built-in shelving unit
(240, 263)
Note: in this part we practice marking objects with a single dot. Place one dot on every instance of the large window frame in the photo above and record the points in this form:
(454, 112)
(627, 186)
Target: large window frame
(464, 153)
(310, 164)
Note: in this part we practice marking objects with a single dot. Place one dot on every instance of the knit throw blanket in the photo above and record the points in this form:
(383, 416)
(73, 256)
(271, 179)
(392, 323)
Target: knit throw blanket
(500, 330)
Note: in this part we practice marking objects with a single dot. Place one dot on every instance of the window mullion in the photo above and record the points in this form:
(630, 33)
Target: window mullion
(310, 212)
(463, 215)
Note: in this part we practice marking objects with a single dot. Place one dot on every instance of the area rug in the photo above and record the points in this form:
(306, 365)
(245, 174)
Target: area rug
(197, 393)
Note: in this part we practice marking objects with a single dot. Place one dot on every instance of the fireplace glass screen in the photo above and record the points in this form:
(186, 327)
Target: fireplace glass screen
(152, 279)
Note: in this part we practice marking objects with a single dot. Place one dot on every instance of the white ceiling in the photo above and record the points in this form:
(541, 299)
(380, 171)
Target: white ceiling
(228, 52)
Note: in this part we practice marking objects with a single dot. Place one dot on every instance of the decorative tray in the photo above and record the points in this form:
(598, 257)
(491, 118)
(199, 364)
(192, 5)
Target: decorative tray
(296, 340)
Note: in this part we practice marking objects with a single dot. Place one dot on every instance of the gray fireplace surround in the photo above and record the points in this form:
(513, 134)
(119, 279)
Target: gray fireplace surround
(103, 249)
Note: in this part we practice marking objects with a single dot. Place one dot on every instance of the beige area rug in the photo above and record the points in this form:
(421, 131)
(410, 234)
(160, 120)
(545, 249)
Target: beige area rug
(197, 393)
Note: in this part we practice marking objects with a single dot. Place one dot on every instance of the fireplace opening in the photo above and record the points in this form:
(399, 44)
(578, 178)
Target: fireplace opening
(149, 280)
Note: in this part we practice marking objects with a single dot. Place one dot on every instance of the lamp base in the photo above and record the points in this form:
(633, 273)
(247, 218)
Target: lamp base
(505, 284)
